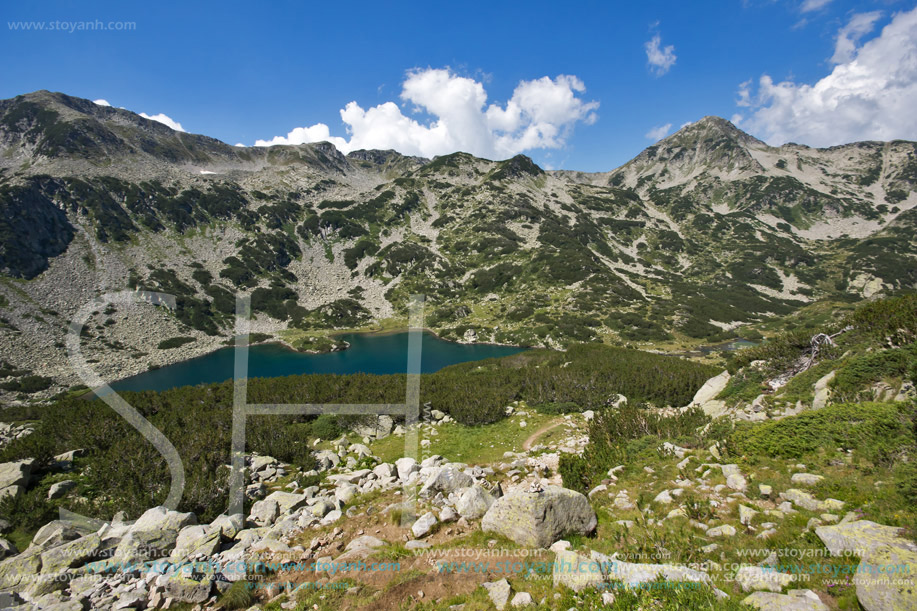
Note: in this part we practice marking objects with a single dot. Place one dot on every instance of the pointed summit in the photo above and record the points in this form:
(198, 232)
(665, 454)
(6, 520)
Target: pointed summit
(711, 145)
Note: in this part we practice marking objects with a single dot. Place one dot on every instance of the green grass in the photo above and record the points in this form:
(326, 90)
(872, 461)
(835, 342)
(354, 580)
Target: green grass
(481, 444)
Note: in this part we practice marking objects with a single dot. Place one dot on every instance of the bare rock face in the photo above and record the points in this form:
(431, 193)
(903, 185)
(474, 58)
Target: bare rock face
(538, 519)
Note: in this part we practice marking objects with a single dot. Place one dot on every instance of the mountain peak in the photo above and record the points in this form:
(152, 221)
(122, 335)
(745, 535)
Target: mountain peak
(710, 125)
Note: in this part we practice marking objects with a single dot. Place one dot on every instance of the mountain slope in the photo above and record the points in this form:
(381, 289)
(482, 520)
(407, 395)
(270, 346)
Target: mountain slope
(704, 232)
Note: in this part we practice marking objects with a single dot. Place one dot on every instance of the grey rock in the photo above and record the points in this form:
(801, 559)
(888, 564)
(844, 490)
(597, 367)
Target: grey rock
(499, 592)
(445, 480)
(424, 525)
(154, 532)
(60, 489)
(539, 519)
(473, 502)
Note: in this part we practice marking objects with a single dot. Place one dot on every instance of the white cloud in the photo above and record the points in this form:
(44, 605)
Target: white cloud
(849, 35)
(869, 97)
(540, 114)
(660, 58)
(101, 102)
(165, 120)
(813, 5)
(658, 133)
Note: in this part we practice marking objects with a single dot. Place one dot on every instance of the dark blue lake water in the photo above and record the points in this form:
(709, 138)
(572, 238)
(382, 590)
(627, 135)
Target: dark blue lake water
(379, 354)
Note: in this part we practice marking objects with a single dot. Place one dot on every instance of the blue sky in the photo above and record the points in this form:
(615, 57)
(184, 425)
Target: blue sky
(243, 72)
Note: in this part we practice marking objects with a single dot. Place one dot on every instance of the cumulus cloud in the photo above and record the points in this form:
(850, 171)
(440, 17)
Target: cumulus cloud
(165, 120)
(813, 5)
(540, 114)
(849, 35)
(660, 58)
(101, 102)
(868, 97)
(660, 132)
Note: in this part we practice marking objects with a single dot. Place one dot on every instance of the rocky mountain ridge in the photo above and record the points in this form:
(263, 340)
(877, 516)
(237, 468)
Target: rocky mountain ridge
(699, 236)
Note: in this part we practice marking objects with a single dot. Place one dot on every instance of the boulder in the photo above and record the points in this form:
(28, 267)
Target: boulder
(473, 502)
(374, 426)
(800, 499)
(405, 466)
(327, 459)
(752, 578)
(186, 590)
(796, 600)
(196, 539)
(711, 388)
(59, 489)
(538, 519)
(446, 480)
(633, 574)
(19, 570)
(228, 525)
(70, 555)
(424, 525)
(725, 530)
(360, 450)
(576, 572)
(522, 599)
(154, 533)
(499, 592)
(885, 579)
(261, 463)
(264, 512)
(822, 392)
(806, 479)
(56, 532)
(15, 476)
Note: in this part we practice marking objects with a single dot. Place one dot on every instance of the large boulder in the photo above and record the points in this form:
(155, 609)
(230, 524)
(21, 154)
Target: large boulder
(885, 579)
(70, 555)
(446, 480)
(196, 539)
(538, 519)
(711, 388)
(405, 466)
(153, 534)
(473, 502)
(56, 532)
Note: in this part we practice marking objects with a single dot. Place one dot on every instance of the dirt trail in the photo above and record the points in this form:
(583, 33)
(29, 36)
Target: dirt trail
(534, 436)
